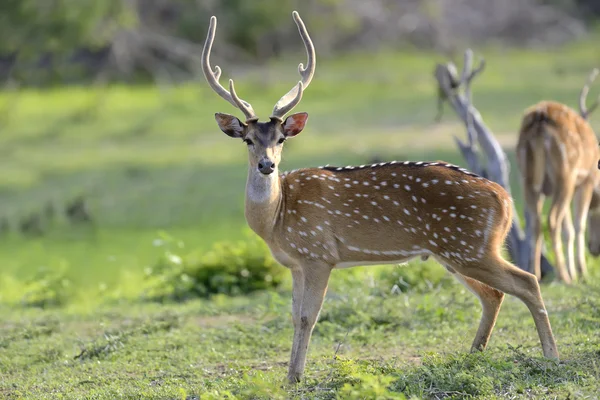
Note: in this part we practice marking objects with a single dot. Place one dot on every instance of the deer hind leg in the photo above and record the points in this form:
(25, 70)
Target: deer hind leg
(568, 237)
(531, 162)
(582, 199)
(491, 300)
(498, 273)
(315, 278)
(534, 202)
(560, 205)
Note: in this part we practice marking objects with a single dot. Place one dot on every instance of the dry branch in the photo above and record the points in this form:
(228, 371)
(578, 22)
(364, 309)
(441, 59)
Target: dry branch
(479, 135)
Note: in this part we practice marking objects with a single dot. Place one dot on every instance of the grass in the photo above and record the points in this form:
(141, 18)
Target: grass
(414, 343)
(152, 164)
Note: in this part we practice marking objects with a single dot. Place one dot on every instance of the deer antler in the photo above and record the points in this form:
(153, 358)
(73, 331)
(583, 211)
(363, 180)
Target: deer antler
(213, 76)
(584, 111)
(292, 98)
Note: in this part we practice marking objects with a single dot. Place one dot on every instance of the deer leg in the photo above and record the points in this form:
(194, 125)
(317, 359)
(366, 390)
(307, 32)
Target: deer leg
(297, 294)
(491, 300)
(316, 279)
(582, 199)
(560, 204)
(530, 160)
(502, 275)
(534, 201)
(561, 201)
(568, 237)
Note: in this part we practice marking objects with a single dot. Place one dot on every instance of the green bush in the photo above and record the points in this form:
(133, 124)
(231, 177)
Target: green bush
(419, 276)
(229, 268)
(49, 287)
(370, 386)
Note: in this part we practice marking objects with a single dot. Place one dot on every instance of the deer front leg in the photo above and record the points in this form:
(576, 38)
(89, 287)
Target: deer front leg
(315, 278)
(297, 295)
(582, 200)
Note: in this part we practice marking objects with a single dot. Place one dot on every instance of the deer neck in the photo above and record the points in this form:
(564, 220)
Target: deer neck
(263, 201)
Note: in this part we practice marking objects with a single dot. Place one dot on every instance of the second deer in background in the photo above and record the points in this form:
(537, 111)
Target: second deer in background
(557, 155)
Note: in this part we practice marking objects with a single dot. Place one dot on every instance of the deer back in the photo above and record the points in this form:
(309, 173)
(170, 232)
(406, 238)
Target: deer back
(390, 212)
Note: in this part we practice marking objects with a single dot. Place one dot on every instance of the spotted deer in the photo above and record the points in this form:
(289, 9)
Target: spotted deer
(557, 154)
(317, 219)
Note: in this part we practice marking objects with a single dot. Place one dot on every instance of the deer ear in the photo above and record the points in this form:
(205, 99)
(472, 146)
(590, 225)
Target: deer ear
(229, 124)
(294, 124)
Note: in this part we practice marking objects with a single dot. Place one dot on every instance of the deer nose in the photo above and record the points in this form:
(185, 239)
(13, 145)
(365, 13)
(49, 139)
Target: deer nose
(266, 167)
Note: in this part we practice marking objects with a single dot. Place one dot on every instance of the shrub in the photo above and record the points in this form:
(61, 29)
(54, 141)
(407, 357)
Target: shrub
(229, 268)
(370, 386)
(419, 276)
(49, 287)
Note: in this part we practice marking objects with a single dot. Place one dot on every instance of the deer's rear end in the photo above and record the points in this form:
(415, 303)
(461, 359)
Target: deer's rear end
(557, 155)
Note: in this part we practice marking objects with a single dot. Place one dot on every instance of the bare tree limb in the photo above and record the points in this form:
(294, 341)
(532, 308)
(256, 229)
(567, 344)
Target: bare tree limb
(497, 167)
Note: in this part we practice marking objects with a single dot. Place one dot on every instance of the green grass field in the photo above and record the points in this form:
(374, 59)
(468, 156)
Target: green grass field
(153, 164)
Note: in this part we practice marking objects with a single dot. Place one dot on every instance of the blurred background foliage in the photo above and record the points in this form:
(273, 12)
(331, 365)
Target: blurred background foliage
(57, 41)
(107, 135)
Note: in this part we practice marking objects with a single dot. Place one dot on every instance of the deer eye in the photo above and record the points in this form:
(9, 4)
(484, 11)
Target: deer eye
(280, 141)
(248, 142)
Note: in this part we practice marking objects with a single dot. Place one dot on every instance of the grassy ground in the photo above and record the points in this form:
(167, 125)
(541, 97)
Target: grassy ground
(151, 162)
(369, 339)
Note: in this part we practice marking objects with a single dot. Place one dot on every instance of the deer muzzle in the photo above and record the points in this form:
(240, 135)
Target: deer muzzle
(266, 166)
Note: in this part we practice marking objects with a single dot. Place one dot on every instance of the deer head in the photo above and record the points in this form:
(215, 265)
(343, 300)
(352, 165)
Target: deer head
(264, 139)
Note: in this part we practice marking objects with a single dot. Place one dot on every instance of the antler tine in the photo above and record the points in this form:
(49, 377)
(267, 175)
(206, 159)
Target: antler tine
(584, 111)
(308, 72)
(241, 104)
(291, 98)
(212, 77)
(286, 108)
